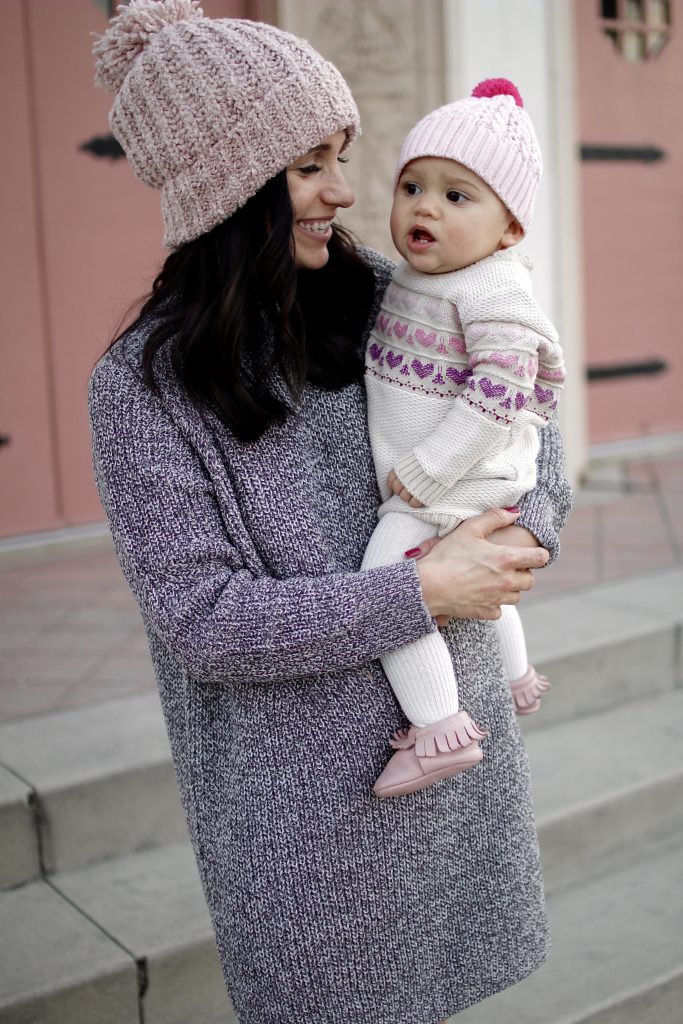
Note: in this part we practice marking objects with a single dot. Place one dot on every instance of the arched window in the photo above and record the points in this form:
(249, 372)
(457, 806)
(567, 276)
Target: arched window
(639, 29)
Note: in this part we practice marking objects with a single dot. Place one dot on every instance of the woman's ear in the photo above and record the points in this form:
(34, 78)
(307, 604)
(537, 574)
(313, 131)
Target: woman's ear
(513, 234)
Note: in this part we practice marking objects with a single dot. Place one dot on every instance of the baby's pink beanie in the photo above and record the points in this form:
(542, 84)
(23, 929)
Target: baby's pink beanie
(208, 110)
(492, 134)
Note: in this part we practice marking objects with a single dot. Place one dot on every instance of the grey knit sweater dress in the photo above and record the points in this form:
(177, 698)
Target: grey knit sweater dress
(329, 906)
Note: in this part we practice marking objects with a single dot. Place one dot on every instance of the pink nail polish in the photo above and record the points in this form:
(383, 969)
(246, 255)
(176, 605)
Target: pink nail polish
(413, 553)
(513, 508)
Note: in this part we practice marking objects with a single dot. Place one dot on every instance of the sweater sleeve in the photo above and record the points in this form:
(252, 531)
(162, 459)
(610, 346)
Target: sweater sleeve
(546, 509)
(223, 621)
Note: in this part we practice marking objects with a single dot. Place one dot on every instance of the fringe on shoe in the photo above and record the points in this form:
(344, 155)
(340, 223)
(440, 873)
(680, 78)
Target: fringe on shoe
(448, 734)
(528, 690)
(403, 739)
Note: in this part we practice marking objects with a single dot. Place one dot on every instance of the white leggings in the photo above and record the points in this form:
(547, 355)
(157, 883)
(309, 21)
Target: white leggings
(421, 674)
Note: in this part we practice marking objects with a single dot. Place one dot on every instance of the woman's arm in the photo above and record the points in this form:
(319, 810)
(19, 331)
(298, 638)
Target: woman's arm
(546, 509)
(224, 622)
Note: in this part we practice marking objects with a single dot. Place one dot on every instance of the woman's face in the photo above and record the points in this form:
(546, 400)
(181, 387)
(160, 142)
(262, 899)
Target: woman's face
(317, 188)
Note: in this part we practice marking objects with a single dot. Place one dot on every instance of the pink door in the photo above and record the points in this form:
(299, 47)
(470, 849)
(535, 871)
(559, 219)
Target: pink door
(80, 241)
(630, 77)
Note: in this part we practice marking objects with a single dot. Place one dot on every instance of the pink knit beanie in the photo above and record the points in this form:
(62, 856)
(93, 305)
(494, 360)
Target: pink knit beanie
(492, 134)
(208, 110)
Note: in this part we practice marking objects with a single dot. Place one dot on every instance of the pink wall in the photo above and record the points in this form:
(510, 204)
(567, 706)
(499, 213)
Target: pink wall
(27, 464)
(633, 229)
(81, 240)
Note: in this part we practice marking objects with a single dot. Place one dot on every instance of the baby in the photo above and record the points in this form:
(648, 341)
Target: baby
(462, 367)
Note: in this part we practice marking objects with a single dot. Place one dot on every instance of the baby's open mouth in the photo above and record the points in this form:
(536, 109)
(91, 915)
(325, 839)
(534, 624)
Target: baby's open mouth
(420, 240)
(420, 235)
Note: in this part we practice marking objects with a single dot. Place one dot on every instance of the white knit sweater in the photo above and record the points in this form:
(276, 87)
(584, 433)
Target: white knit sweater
(461, 368)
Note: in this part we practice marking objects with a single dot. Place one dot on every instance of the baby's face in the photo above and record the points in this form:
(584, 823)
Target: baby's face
(445, 217)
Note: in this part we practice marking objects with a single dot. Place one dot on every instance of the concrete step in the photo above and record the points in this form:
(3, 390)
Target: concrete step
(100, 783)
(607, 788)
(56, 966)
(617, 954)
(606, 645)
(112, 943)
(19, 860)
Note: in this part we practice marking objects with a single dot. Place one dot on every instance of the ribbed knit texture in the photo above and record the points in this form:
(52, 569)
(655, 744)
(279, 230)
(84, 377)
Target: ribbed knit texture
(208, 110)
(491, 135)
(512, 643)
(421, 674)
(328, 904)
(461, 368)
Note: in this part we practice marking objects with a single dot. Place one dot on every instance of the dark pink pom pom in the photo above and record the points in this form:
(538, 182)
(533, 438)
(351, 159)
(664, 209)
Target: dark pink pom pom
(497, 87)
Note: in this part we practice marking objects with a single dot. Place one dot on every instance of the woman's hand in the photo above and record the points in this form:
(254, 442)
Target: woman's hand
(467, 576)
(397, 487)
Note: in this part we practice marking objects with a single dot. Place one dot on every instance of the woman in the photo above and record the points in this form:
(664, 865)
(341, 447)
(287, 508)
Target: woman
(233, 462)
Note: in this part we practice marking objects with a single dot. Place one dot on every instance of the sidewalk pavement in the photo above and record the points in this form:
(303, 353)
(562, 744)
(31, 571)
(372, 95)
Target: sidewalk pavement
(70, 632)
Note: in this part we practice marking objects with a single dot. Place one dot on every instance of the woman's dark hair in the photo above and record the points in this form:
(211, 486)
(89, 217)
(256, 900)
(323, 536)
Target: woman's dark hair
(233, 308)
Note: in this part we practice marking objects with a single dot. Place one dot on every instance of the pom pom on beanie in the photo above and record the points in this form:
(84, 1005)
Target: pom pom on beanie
(490, 133)
(208, 110)
(131, 31)
(491, 87)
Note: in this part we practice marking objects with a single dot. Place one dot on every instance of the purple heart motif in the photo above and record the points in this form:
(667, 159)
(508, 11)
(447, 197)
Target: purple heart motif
(423, 338)
(543, 395)
(422, 369)
(520, 400)
(400, 329)
(458, 376)
(490, 389)
(394, 359)
(458, 344)
(383, 323)
(376, 351)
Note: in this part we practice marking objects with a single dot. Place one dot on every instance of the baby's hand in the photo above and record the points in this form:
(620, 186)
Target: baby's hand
(397, 487)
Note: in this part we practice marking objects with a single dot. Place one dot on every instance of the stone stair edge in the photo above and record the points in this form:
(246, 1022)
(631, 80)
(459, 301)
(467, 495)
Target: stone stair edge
(620, 936)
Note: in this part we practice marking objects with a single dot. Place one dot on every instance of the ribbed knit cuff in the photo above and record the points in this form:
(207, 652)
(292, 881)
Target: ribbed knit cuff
(413, 477)
(546, 509)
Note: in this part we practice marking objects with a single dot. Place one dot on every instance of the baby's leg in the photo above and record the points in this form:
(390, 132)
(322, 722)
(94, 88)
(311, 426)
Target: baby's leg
(526, 684)
(421, 674)
(512, 642)
(442, 741)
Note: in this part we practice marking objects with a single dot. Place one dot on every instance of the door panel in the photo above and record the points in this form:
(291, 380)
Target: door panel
(633, 227)
(81, 241)
(28, 482)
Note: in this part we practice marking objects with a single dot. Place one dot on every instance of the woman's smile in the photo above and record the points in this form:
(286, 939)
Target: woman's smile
(317, 188)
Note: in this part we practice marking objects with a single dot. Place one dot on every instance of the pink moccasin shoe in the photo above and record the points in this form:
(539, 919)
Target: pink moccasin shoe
(528, 690)
(431, 753)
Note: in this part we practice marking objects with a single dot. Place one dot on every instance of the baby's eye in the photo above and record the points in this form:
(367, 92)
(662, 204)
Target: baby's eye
(309, 169)
(411, 189)
(453, 196)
